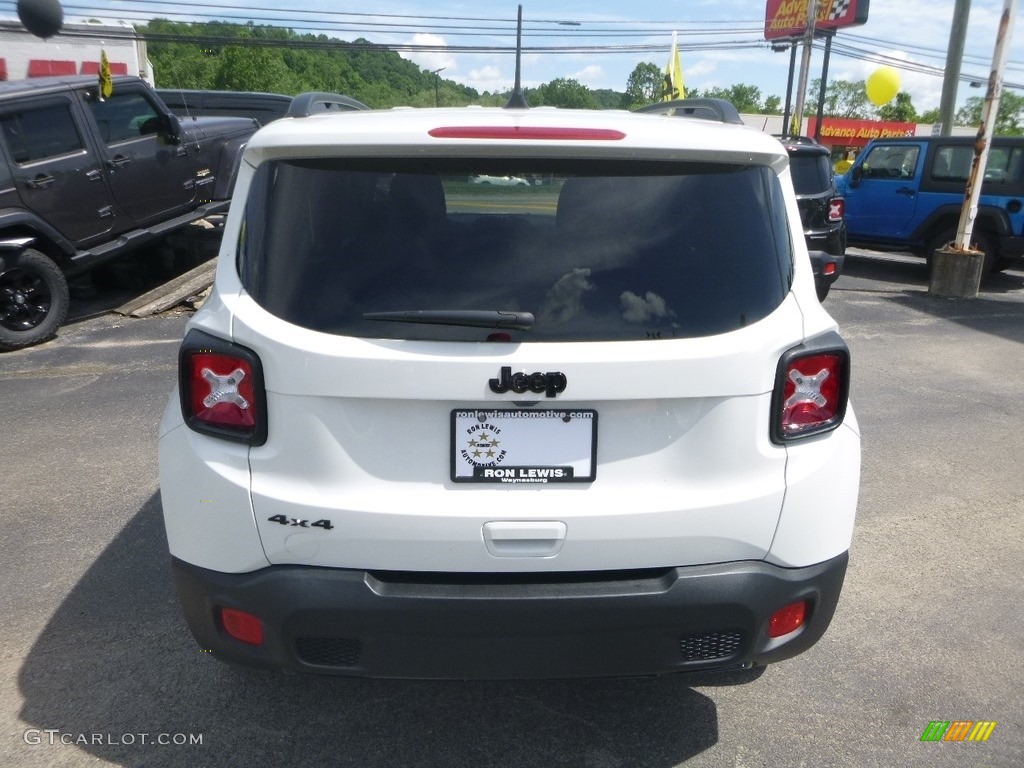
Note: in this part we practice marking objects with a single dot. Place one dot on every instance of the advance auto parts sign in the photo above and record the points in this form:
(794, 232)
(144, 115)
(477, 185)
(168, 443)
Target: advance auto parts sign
(788, 18)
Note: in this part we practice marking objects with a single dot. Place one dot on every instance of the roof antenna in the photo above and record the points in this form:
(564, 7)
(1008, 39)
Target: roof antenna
(517, 100)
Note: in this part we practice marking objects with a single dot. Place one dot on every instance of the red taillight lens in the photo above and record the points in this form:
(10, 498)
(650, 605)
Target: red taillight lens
(788, 619)
(525, 132)
(244, 627)
(836, 209)
(811, 391)
(221, 388)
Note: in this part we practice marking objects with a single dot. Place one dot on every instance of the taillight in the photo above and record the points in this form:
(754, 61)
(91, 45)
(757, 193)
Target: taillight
(836, 209)
(812, 387)
(525, 132)
(221, 387)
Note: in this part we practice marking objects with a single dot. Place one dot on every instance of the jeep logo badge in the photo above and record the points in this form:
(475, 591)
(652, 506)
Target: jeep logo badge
(550, 383)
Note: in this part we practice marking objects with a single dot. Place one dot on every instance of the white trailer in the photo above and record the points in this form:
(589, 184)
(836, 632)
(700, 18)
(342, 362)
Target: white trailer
(74, 51)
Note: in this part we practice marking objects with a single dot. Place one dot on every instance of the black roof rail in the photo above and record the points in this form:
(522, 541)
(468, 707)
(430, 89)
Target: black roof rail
(314, 103)
(705, 109)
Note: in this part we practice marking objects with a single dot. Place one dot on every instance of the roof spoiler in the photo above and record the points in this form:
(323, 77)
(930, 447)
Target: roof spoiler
(718, 110)
(306, 104)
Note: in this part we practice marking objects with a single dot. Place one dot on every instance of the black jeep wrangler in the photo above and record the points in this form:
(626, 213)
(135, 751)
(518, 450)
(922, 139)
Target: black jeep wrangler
(85, 178)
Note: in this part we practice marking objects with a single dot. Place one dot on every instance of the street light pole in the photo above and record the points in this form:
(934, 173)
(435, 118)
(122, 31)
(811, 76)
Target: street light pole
(437, 85)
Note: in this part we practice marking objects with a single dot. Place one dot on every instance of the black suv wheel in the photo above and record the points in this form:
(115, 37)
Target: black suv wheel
(33, 298)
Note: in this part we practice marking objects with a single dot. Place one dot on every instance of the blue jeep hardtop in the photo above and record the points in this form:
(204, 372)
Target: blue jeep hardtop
(907, 194)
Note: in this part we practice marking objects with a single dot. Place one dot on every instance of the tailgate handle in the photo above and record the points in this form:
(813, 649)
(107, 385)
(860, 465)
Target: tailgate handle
(524, 539)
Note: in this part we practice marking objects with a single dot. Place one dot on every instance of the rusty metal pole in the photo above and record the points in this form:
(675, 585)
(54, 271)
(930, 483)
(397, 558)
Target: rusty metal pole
(956, 269)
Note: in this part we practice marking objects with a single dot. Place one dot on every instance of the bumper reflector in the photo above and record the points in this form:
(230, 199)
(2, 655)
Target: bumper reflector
(788, 619)
(244, 627)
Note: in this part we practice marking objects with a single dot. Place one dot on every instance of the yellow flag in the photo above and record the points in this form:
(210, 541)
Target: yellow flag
(673, 84)
(106, 84)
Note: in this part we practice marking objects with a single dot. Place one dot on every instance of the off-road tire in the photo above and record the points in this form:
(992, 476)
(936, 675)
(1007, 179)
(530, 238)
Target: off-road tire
(33, 298)
(980, 240)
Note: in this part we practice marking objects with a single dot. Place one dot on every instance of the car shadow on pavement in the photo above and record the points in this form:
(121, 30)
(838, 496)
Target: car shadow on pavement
(998, 317)
(115, 672)
(899, 270)
(898, 273)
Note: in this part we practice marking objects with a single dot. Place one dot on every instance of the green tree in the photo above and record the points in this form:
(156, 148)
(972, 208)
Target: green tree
(255, 68)
(563, 92)
(842, 99)
(899, 110)
(609, 99)
(746, 98)
(643, 86)
(1009, 119)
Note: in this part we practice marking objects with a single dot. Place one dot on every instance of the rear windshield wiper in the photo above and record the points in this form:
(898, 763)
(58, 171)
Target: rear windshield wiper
(473, 318)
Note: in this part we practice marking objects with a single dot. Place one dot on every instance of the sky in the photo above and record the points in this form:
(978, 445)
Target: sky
(721, 41)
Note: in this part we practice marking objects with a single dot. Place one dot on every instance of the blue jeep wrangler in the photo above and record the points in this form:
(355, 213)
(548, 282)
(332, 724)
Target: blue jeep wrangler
(906, 194)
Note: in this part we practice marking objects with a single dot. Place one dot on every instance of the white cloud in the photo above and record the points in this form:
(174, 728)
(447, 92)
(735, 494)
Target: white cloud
(428, 60)
(487, 78)
(640, 310)
(589, 76)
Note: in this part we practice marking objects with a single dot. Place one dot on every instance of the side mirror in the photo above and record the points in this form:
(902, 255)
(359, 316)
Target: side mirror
(170, 129)
(856, 174)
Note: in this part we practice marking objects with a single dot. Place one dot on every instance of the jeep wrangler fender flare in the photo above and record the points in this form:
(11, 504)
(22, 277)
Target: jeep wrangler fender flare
(15, 223)
(990, 218)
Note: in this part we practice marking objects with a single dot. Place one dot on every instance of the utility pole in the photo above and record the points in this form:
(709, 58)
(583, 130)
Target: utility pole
(957, 268)
(824, 82)
(954, 59)
(787, 129)
(805, 64)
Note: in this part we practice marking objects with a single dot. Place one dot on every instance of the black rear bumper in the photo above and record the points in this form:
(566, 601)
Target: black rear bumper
(346, 622)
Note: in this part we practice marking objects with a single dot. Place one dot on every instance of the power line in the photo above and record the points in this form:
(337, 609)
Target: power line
(918, 50)
(309, 42)
(848, 45)
(419, 23)
(759, 23)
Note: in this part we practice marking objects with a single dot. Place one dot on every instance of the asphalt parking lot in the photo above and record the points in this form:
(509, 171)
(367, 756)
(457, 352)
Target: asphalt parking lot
(97, 666)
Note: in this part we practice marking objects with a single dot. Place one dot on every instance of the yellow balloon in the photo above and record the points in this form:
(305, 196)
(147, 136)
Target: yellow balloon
(883, 85)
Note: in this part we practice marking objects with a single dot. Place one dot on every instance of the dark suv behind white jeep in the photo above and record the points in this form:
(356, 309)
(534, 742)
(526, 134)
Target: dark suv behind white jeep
(84, 178)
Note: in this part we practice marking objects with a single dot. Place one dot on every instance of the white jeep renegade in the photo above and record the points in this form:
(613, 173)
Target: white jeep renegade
(595, 424)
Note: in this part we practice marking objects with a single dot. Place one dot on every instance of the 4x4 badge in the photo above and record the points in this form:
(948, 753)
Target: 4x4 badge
(550, 383)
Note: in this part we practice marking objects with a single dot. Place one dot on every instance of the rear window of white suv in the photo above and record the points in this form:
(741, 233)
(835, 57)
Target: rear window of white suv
(582, 250)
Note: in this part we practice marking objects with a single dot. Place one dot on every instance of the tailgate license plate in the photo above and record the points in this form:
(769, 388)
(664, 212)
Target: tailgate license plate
(524, 446)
